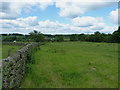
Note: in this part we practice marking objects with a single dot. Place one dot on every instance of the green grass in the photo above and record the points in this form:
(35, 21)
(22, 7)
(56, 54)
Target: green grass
(74, 65)
(8, 50)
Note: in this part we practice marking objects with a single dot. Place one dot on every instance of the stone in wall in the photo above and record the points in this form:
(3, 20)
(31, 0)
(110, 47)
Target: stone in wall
(14, 66)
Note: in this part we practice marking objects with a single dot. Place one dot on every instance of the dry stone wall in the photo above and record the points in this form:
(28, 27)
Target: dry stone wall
(13, 67)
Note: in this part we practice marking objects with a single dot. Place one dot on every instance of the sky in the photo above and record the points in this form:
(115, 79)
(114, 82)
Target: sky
(59, 16)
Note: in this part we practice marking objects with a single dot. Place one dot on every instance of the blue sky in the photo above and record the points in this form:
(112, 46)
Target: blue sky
(59, 17)
(50, 13)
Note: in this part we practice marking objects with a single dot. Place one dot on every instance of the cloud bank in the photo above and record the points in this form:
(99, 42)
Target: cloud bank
(26, 25)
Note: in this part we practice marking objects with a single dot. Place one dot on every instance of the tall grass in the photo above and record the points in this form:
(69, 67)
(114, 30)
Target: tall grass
(74, 65)
(30, 59)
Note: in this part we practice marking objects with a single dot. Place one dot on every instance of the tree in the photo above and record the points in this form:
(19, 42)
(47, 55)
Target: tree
(81, 37)
(116, 36)
(74, 37)
(36, 36)
(9, 38)
(90, 38)
(59, 38)
(98, 37)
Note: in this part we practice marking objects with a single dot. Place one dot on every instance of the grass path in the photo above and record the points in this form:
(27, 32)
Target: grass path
(74, 65)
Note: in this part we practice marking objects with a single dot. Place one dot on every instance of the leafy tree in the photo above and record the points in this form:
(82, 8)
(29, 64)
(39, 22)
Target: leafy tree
(98, 37)
(81, 37)
(74, 37)
(90, 38)
(36, 36)
(9, 38)
(59, 38)
(4, 34)
(116, 36)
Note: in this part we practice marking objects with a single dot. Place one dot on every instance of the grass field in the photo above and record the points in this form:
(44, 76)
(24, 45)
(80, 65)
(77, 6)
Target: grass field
(74, 65)
(8, 50)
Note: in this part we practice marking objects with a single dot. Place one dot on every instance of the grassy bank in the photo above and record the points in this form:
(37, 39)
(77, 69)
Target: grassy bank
(74, 64)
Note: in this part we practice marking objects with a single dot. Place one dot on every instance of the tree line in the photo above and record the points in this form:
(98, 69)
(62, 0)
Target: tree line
(39, 37)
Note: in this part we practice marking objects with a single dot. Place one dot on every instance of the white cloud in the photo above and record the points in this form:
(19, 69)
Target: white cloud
(18, 23)
(24, 26)
(75, 8)
(68, 8)
(28, 24)
(11, 10)
(44, 5)
(109, 29)
(114, 16)
(51, 27)
(95, 23)
(31, 21)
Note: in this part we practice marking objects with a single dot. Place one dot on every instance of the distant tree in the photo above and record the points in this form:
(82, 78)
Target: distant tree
(74, 37)
(116, 36)
(9, 38)
(59, 38)
(90, 38)
(98, 37)
(36, 36)
(16, 34)
(4, 34)
(108, 39)
(81, 37)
